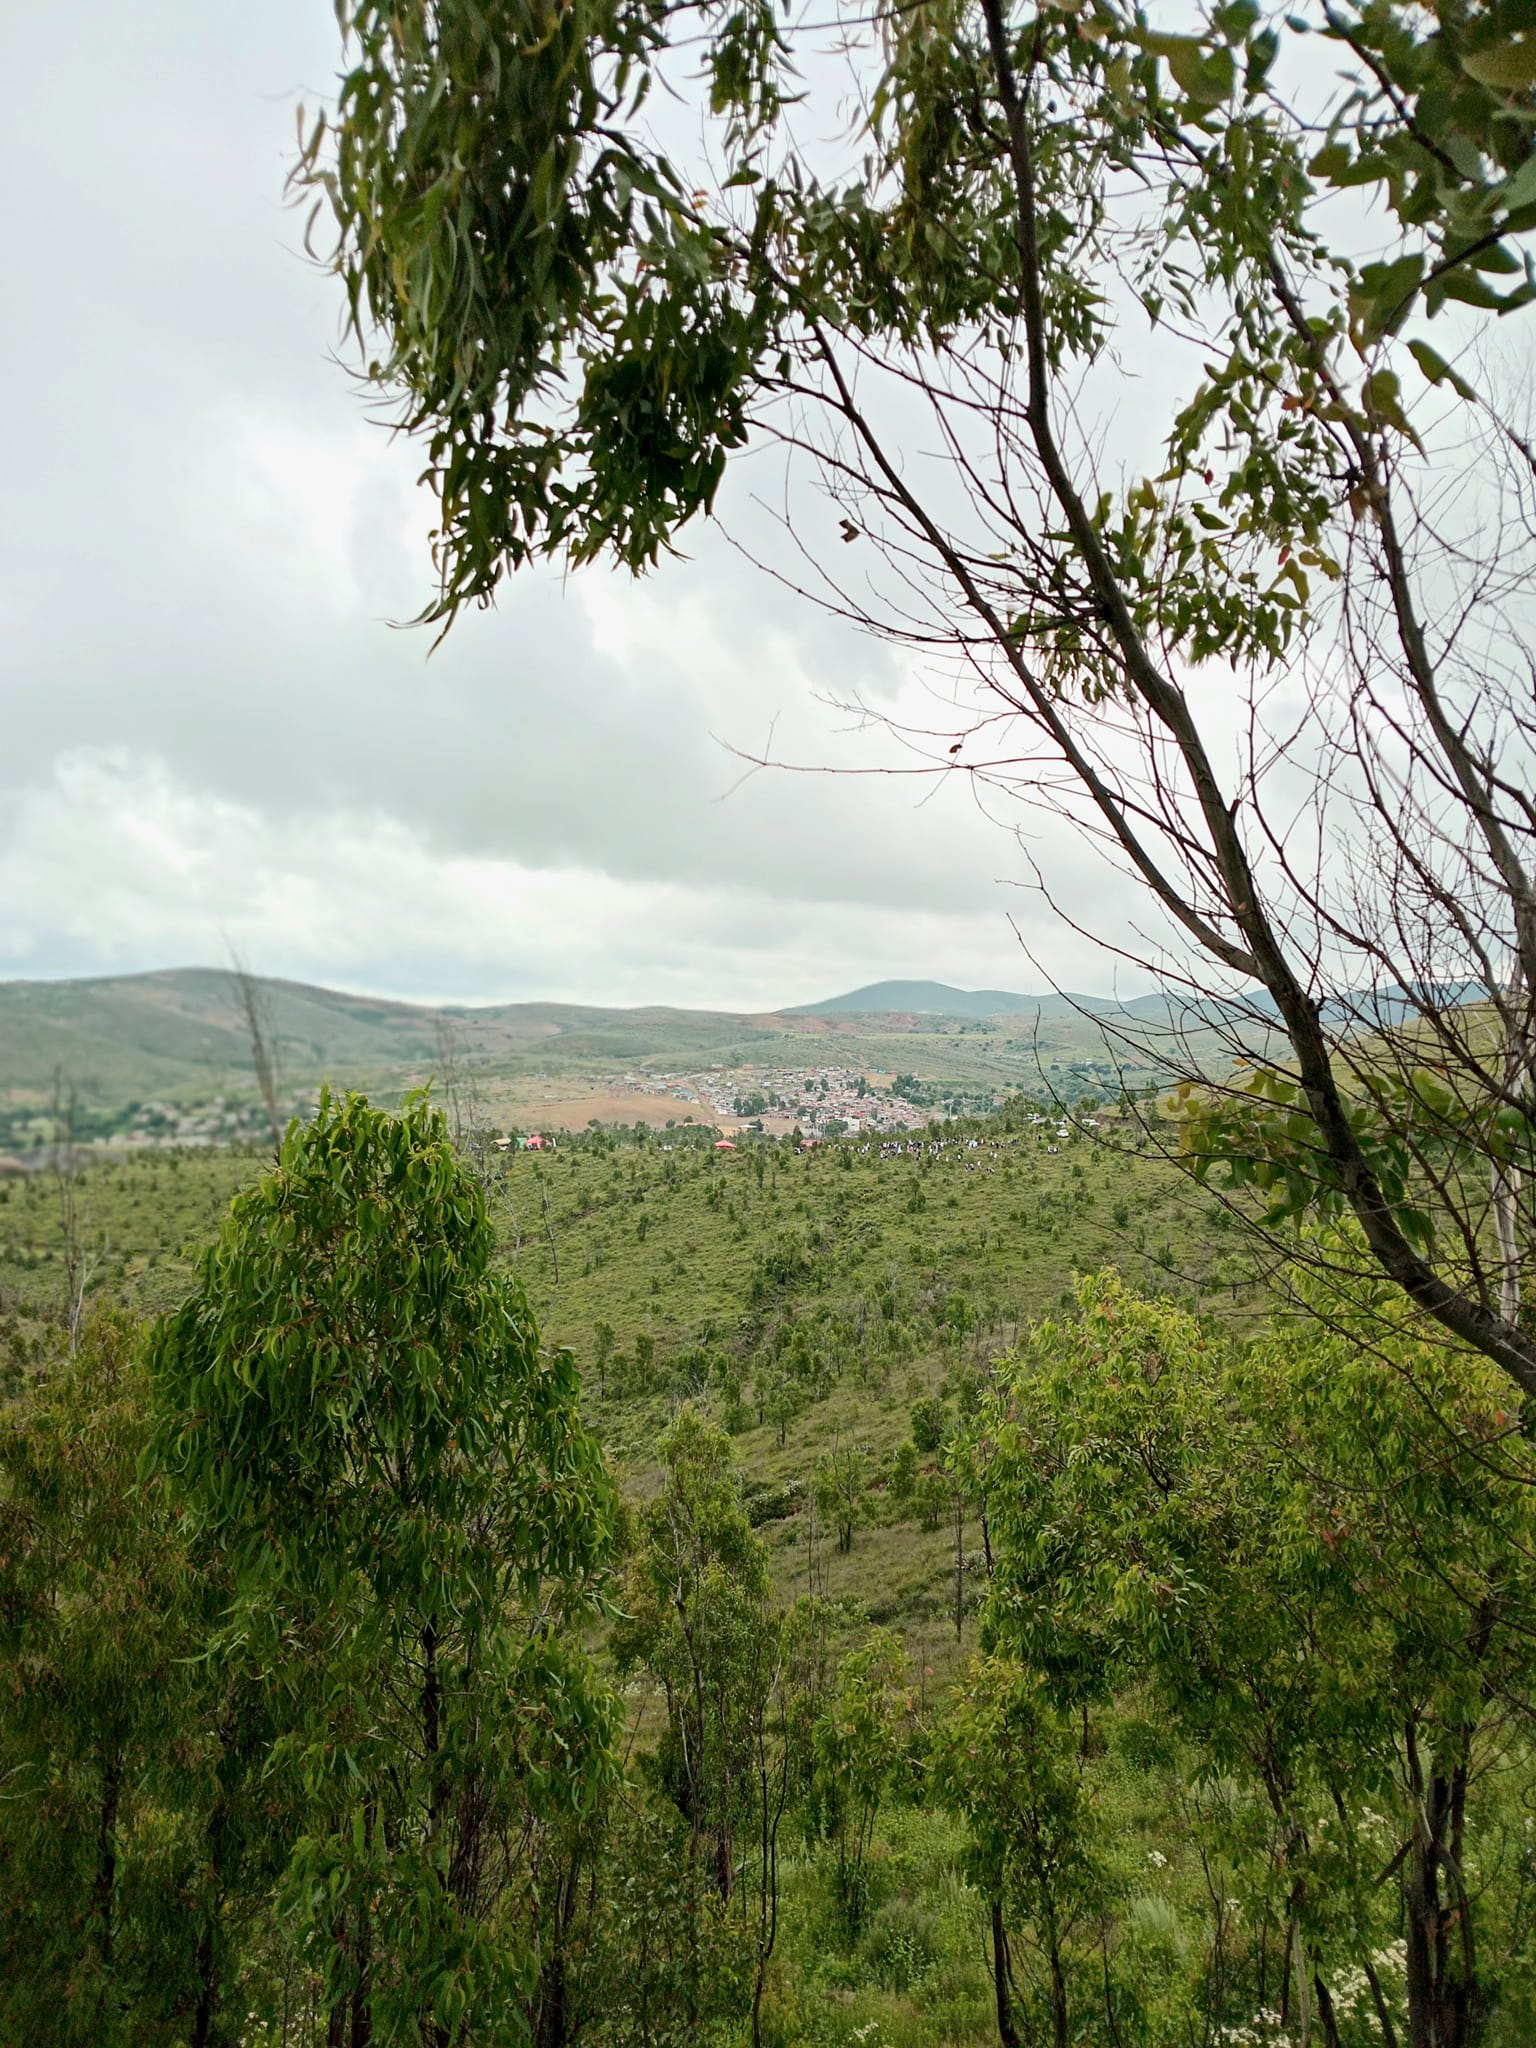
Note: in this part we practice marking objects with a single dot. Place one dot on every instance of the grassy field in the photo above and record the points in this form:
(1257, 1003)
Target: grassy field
(804, 1298)
(850, 1297)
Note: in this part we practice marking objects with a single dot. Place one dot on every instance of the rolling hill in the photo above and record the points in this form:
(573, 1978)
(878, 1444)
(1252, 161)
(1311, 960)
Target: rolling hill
(938, 999)
(179, 1035)
(182, 1028)
(918, 999)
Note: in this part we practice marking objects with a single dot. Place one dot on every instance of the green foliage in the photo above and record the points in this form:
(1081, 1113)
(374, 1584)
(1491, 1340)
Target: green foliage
(91, 1653)
(858, 1744)
(1009, 1761)
(904, 1470)
(928, 1423)
(1297, 1551)
(1263, 1136)
(136, 1833)
(355, 1409)
(697, 1619)
(1255, 1681)
(480, 149)
(582, 333)
(638, 1948)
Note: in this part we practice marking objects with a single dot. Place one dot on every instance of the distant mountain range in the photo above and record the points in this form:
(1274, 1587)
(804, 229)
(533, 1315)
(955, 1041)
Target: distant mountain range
(938, 999)
(915, 999)
(180, 1031)
(179, 1036)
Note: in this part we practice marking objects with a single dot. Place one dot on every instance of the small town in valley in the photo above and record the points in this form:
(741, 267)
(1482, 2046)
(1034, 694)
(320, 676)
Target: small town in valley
(823, 1102)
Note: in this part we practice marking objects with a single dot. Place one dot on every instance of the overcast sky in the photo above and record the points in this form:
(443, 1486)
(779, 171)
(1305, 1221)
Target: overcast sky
(213, 735)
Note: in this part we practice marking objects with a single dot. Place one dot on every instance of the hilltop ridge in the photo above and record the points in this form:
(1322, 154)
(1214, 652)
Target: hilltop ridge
(179, 1033)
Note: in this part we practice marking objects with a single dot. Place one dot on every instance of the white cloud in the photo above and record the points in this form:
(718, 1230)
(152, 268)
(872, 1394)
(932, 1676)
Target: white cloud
(116, 865)
(210, 724)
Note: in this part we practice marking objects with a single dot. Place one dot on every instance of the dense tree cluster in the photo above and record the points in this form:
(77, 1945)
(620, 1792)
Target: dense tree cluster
(321, 1621)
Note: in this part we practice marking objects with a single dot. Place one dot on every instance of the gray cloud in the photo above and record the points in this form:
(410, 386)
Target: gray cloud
(205, 541)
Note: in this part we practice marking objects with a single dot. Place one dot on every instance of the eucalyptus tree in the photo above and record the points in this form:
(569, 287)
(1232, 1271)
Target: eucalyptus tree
(1007, 1759)
(134, 1836)
(1315, 1561)
(1258, 218)
(697, 1616)
(858, 1740)
(839, 1484)
(354, 1405)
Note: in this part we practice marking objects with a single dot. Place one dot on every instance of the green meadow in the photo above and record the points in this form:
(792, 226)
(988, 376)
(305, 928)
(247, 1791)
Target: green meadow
(813, 1355)
(802, 1298)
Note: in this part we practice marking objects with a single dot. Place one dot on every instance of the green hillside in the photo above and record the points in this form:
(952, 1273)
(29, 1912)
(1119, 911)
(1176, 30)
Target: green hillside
(796, 1295)
(838, 1312)
(181, 1032)
(181, 1037)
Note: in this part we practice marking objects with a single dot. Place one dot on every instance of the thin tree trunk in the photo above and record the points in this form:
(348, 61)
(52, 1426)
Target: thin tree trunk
(432, 2030)
(1506, 1177)
(1459, 1987)
(1506, 1206)
(1058, 1998)
(336, 2015)
(1383, 2010)
(1007, 2032)
(554, 2012)
(1325, 2011)
(203, 2020)
(1296, 2007)
(959, 1566)
(1109, 1994)
(771, 1812)
(251, 999)
(104, 1886)
(1422, 1904)
(207, 1988)
(362, 1990)
(431, 1721)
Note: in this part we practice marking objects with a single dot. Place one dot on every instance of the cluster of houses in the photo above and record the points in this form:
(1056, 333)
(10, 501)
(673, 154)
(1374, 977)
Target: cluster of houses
(821, 1101)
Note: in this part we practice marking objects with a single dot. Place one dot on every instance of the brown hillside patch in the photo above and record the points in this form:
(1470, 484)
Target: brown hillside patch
(570, 1106)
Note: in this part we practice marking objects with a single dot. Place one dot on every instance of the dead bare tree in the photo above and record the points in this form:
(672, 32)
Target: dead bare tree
(255, 1011)
(461, 1095)
(78, 1263)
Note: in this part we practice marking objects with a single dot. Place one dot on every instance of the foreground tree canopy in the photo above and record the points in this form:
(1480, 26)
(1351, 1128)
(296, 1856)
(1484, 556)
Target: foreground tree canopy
(1246, 1756)
(1297, 226)
(354, 1407)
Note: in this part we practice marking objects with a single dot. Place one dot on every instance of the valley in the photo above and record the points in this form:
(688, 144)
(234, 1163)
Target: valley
(166, 1058)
